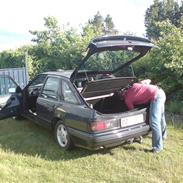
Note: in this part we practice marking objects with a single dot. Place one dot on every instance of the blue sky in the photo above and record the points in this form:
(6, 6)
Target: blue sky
(17, 17)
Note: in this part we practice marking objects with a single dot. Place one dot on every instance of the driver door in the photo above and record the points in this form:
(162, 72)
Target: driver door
(10, 97)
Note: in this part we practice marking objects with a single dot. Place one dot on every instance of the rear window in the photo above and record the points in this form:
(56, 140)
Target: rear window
(109, 61)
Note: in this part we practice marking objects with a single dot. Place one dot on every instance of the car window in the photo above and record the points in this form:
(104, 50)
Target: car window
(68, 94)
(109, 61)
(38, 80)
(6, 84)
(51, 88)
(35, 86)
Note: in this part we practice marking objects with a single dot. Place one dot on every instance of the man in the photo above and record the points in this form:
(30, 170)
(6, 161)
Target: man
(144, 93)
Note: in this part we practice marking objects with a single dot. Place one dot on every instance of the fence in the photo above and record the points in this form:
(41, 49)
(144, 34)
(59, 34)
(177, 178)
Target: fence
(20, 75)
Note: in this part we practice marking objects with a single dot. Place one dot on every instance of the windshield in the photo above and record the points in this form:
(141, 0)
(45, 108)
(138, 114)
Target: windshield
(109, 61)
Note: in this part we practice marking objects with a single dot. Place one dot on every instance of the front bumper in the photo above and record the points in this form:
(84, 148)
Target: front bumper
(94, 141)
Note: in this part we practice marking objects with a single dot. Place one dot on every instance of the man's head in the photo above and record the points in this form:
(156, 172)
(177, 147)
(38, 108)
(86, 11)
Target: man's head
(145, 81)
(124, 90)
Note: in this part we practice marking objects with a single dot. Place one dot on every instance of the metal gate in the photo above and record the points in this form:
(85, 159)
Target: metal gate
(20, 75)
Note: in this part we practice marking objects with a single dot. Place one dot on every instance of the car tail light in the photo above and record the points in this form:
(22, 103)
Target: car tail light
(98, 126)
(103, 125)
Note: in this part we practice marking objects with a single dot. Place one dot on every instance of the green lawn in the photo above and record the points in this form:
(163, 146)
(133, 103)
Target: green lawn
(28, 153)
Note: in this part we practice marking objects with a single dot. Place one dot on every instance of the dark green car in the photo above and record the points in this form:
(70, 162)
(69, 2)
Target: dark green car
(84, 106)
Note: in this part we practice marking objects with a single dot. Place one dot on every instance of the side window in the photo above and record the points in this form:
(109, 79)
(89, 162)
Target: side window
(35, 87)
(38, 80)
(68, 94)
(6, 83)
(51, 88)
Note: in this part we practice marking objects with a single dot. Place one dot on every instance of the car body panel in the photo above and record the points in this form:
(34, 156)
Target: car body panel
(107, 139)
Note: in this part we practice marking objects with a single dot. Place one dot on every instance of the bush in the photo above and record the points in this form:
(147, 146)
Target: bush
(175, 107)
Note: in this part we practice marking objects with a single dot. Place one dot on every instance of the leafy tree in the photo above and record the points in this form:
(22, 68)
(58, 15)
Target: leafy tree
(101, 25)
(164, 65)
(56, 47)
(160, 11)
(98, 22)
(109, 25)
(11, 58)
(63, 48)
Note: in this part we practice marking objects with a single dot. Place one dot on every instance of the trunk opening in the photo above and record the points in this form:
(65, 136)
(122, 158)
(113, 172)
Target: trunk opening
(109, 105)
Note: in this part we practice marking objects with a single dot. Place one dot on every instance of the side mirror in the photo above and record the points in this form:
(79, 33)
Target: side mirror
(12, 90)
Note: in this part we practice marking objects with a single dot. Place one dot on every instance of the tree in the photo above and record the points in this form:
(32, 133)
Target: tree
(12, 59)
(164, 65)
(100, 25)
(109, 25)
(97, 22)
(160, 11)
(56, 47)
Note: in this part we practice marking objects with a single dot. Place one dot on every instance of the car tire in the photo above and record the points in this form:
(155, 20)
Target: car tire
(62, 136)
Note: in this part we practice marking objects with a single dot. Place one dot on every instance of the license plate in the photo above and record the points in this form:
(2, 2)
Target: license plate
(132, 120)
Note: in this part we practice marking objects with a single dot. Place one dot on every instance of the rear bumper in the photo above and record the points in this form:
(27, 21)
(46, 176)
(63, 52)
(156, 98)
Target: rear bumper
(94, 141)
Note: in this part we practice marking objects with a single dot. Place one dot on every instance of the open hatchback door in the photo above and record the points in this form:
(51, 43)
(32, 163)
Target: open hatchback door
(107, 65)
(10, 97)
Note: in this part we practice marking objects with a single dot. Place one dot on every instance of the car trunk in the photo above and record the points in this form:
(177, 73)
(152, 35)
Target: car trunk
(106, 98)
(105, 95)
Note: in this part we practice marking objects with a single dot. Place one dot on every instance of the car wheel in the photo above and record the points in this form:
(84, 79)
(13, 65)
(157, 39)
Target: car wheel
(62, 136)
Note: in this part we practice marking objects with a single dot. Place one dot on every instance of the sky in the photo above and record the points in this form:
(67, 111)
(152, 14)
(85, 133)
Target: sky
(17, 17)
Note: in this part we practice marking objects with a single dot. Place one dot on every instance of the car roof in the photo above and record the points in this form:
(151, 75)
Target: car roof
(64, 73)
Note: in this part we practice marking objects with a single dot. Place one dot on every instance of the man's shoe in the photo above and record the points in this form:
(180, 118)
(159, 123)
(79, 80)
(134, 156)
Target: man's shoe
(155, 150)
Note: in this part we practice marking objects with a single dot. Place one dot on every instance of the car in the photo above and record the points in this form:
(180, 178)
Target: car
(84, 106)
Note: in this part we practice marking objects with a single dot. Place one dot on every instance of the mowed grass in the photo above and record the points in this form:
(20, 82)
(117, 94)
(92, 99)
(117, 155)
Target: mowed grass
(28, 153)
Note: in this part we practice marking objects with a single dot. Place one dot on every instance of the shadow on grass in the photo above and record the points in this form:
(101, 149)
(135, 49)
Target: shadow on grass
(26, 138)
(132, 148)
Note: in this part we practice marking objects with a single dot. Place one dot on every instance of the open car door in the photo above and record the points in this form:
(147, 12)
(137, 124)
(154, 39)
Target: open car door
(10, 97)
(107, 66)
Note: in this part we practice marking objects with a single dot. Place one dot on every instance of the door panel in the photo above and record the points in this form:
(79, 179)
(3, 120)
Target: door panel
(10, 97)
(48, 100)
(11, 107)
(45, 109)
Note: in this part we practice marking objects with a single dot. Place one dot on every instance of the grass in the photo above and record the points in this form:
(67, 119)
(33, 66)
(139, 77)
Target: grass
(28, 153)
